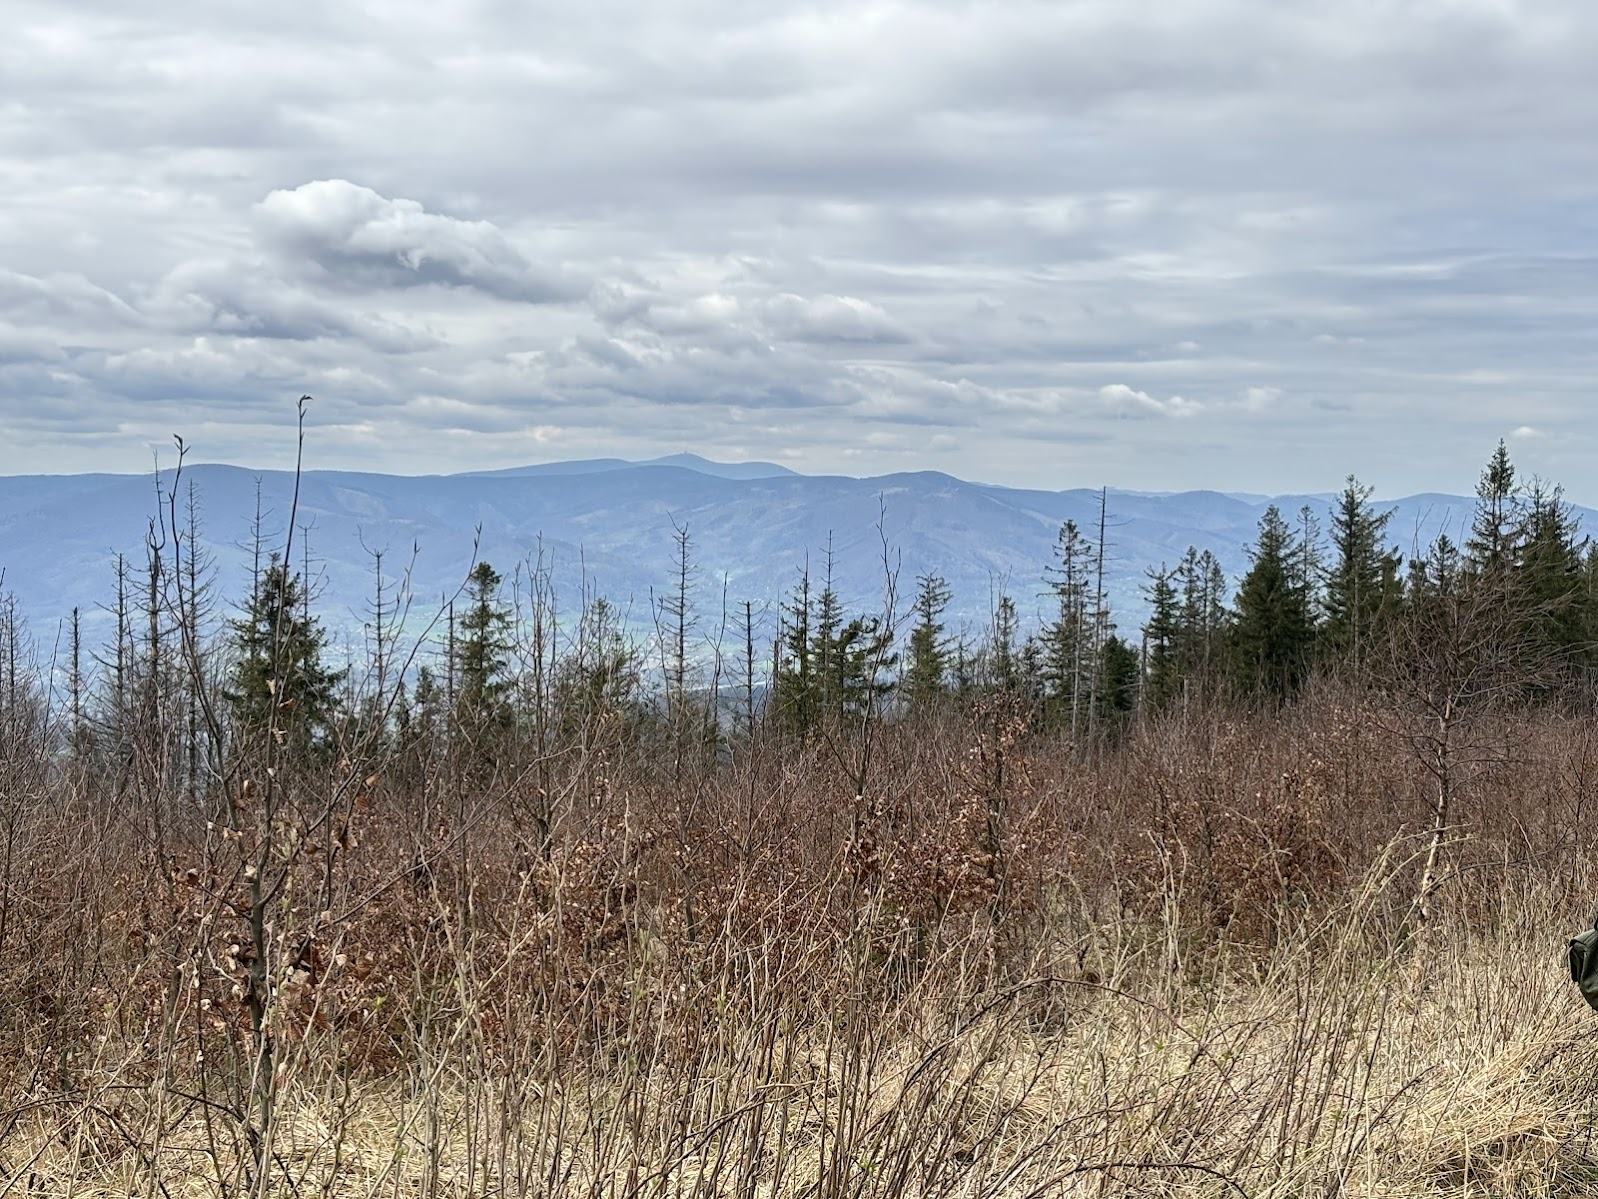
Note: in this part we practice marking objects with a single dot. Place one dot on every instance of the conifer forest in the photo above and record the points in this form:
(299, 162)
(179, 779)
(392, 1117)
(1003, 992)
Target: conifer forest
(1262, 892)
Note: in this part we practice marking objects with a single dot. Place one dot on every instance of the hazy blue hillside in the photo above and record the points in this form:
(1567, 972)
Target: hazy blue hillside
(591, 466)
(754, 526)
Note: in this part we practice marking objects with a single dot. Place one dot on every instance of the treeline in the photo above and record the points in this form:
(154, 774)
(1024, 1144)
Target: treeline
(498, 660)
(1337, 598)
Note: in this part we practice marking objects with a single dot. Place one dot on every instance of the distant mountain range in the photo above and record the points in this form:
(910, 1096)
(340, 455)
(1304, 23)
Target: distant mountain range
(609, 526)
(594, 466)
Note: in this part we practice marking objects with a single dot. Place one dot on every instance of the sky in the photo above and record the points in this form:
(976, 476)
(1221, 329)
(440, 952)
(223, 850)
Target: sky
(1248, 245)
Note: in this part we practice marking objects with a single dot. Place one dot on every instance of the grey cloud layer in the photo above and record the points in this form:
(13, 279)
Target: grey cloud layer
(354, 238)
(1233, 243)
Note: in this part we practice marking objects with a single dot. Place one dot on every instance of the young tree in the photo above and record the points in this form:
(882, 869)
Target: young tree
(1310, 565)
(279, 663)
(674, 622)
(1439, 574)
(795, 698)
(1070, 654)
(1498, 525)
(1103, 626)
(598, 684)
(601, 675)
(1552, 578)
(1361, 585)
(748, 672)
(1119, 670)
(1004, 668)
(1460, 652)
(1162, 669)
(1206, 619)
(861, 666)
(927, 666)
(830, 667)
(1272, 633)
(480, 644)
(191, 576)
(824, 644)
(421, 727)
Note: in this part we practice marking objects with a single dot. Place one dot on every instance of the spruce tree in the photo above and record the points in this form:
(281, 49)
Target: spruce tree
(1439, 574)
(830, 667)
(1068, 649)
(1552, 579)
(860, 665)
(1033, 672)
(1498, 524)
(1118, 670)
(1589, 594)
(824, 648)
(279, 662)
(795, 691)
(927, 662)
(1360, 584)
(597, 683)
(480, 644)
(1310, 558)
(1004, 667)
(1162, 668)
(1272, 633)
(1205, 621)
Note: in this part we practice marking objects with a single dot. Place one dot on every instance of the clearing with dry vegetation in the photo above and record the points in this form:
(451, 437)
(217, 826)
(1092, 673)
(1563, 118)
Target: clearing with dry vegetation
(1185, 964)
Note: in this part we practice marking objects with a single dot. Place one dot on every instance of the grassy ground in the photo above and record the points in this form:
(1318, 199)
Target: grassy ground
(1322, 1066)
(1190, 966)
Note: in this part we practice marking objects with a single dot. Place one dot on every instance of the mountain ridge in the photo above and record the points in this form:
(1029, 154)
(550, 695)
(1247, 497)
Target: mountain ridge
(608, 527)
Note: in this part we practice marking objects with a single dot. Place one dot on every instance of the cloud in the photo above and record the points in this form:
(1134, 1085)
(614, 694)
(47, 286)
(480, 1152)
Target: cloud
(60, 297)
(1350, 233)
(830, 319)
(1121, 398)
(246, 300)
(347, 230)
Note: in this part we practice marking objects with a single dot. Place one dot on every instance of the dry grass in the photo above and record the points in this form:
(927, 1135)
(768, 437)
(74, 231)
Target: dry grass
(1183, 965)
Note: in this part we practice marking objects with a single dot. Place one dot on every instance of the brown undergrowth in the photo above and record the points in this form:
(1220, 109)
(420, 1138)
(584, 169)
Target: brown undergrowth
(1183, 961)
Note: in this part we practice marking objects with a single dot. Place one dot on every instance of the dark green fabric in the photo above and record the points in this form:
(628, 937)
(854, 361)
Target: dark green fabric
(1584, 964)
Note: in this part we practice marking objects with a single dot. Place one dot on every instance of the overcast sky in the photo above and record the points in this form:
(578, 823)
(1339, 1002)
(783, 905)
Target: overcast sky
(1242, 244)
